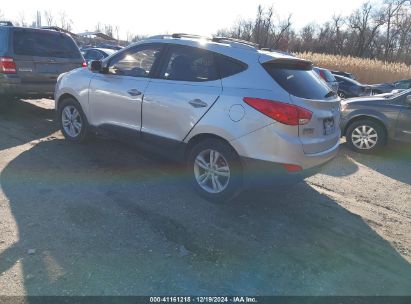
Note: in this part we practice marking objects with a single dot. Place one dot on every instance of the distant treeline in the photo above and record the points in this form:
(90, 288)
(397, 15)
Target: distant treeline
(374, 30)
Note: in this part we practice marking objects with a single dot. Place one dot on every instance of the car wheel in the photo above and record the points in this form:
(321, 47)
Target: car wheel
(215, 170)
(342, 95)
(366, 136)
(73, 122)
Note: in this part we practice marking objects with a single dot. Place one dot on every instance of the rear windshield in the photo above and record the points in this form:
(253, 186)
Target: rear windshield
(298, 79)
(3, 39)
(44, 44)
(346, 80)
(328, 76)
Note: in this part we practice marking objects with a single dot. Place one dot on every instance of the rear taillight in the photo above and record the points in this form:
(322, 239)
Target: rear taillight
(282, 112)
(84, 64)
(292, 168)
(7, 65)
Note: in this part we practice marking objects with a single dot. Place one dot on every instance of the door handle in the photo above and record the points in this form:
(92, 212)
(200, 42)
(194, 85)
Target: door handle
(134, 92)
(197, 103)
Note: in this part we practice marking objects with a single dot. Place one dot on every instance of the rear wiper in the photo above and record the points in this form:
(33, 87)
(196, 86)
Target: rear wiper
(329, 94)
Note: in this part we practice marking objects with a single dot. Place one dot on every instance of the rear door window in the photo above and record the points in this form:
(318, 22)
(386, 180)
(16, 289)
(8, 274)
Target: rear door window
(93, 55)
(298, 79)
(189, 64)
(328, 76)
(44, 44)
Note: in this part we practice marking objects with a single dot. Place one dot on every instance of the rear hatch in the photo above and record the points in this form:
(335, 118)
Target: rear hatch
(308, 91)
(42, 55)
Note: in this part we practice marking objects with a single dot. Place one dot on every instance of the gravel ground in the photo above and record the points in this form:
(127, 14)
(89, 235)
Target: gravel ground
(105, 218)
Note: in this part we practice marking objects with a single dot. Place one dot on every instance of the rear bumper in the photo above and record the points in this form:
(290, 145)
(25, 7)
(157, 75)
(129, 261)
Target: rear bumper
(11, 86)
(266, 173)
(259, 173)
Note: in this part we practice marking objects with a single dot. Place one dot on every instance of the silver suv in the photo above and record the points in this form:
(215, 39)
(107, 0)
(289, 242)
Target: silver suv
(235, 114)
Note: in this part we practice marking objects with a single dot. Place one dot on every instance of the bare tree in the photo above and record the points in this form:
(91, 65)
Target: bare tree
(117, 32)
(48, 15)
(365, 23)
(22, 19)
(65, 22)
(108, 30)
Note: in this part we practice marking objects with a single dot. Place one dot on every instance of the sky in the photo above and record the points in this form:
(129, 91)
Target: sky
(152, 17)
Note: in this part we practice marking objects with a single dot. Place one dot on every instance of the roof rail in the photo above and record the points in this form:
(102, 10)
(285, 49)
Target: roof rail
(232, 41)
(235, 40)
(182, 35)
(6, 23)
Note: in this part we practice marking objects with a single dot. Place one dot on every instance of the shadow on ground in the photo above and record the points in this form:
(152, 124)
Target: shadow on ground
(24, 122)
(392, 161)
(106, 219)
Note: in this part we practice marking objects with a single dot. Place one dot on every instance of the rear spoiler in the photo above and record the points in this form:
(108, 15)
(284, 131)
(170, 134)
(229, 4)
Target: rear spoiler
(287, 62)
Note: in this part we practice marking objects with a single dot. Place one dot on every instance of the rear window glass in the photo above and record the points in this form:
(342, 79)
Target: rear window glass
(3, 39)
(328, 76)
(228, 66)
(347, 81)
(44, 44)
(298, 80)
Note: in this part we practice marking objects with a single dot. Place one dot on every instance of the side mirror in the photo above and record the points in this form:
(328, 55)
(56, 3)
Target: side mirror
(408, 100)
(96, 66)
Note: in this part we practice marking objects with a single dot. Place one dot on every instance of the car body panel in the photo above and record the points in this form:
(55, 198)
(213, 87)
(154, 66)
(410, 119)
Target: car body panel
(328, 78)
(111, 104)
(352, 88)
(167, 111)
(167, 116)
(392, 113)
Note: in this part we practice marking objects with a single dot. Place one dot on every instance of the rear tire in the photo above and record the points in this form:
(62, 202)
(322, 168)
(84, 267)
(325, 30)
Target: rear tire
(72, 121)
(366, 136)
(215, 170)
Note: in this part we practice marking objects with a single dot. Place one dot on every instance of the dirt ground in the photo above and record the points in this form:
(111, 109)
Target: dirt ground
(105, 218)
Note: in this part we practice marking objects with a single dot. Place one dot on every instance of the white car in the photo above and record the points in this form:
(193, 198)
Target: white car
(237, 115)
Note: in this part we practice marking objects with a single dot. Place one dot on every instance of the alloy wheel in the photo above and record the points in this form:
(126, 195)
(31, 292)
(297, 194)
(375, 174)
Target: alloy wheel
(71, 121)
(211, 171)
(364, 137)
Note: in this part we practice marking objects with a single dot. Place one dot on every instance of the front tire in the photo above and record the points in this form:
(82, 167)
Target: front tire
(72, 121)
(215, 170)
(366, 136)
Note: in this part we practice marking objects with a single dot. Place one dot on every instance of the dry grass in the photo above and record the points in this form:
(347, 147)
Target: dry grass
(367, 70)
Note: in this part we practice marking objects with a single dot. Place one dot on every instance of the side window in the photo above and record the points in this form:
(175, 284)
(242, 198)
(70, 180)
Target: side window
(93, 55)
(229, 66)
(136, 62)
(403, 85)
(189, 64)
